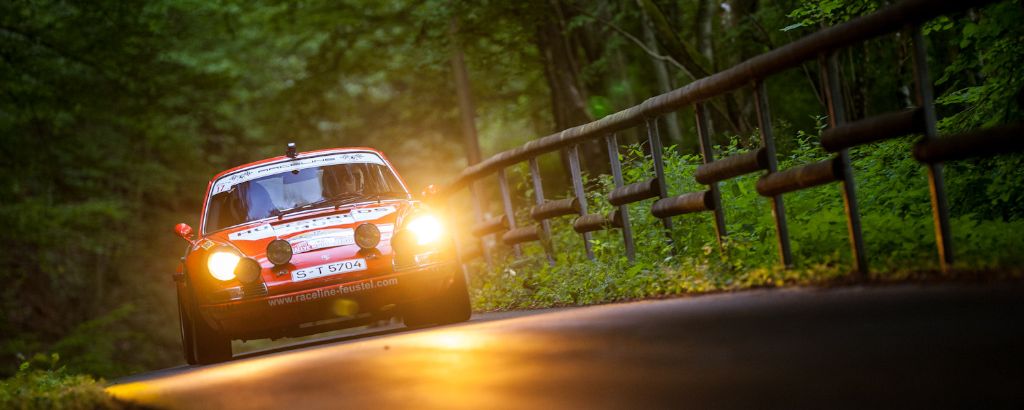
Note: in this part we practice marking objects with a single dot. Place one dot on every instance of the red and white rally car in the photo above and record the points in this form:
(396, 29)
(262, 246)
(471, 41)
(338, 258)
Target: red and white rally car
(309, 242)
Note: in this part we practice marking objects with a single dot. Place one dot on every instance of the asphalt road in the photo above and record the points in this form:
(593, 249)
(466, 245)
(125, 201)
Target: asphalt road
(922, 346)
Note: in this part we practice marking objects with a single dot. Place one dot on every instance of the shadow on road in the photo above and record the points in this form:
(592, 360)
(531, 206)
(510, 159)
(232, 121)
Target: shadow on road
(336, 337)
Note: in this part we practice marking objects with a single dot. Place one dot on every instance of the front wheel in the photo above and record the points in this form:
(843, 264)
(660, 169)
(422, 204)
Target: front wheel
(187, 340)
(209, 346)
(201, 343)
(450, 306)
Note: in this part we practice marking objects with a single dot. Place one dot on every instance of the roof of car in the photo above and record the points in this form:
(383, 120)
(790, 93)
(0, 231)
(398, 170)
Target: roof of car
(303, 154)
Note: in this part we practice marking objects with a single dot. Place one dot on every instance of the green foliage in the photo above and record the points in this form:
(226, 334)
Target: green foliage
(41, 384)
(115, 114)
(980, 86)
(99, 133)
(828, 12)
(95, 346)
(986, 78)
(894, 206)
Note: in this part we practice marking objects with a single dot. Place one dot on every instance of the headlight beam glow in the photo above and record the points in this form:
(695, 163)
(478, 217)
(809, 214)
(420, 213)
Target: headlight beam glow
(426, 228)
(222, 264)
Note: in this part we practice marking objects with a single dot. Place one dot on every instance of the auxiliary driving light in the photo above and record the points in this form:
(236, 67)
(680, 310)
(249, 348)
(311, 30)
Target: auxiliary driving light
(426, 228)
(248, 270)
(222, 264)
(367, 236)
(279, 252)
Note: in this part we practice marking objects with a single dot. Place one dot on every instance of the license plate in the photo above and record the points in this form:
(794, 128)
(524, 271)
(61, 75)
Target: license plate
(334, 268)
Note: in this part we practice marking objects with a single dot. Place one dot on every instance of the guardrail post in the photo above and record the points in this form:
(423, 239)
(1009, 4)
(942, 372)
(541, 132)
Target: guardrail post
(459, 246)
(538, 195)
(627, 229)
(581, 195)
(764, 125)
(936, 185)
(506, 201)
(659, 169)
(837, 116)
(703, 134)
(478, 216)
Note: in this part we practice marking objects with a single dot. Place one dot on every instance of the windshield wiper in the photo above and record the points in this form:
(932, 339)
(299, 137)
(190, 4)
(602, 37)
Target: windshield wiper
(389, 194)
(341, 199)
(336, 200)
(392, 194)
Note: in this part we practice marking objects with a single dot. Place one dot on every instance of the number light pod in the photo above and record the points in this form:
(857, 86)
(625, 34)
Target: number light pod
(367, 236)
(279, 252)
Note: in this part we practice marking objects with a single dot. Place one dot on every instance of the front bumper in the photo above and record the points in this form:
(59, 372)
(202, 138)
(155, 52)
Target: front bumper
(335, 306)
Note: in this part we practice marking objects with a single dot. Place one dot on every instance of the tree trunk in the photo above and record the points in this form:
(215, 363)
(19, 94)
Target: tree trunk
(467, 109)
(702, 26)
(568, 98)
(467, 112)
(664, 82)
(742, 109)
(691, 62)
(568, 101)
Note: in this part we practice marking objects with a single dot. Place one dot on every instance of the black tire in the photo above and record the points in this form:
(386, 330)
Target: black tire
(204, 344)
(187, 340)
(208, 345)
(451, 306)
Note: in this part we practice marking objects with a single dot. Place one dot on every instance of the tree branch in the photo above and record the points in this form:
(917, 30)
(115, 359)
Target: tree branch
(632, 38)
(803, 67)
(668, 39)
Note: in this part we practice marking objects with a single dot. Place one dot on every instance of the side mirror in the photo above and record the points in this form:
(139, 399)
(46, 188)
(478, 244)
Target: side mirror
(429, 192)
(184, 231)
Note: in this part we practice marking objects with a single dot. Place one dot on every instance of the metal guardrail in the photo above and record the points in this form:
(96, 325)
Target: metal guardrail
(841, 135)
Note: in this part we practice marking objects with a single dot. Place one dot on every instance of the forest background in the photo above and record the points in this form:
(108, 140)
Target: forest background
(115, 114)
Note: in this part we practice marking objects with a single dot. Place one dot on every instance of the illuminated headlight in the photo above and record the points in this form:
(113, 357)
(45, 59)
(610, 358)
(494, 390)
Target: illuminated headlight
(222, 264)
(426, 229)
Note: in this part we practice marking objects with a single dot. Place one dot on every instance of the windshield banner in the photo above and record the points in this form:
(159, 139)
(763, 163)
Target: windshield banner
(226, 182)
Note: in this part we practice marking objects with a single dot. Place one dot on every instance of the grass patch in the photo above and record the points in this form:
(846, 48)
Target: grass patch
(40, 384)
(543, 286)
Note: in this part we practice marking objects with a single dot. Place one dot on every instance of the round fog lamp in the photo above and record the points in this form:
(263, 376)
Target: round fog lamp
(248, 270)
(279, 252)
(367, 236)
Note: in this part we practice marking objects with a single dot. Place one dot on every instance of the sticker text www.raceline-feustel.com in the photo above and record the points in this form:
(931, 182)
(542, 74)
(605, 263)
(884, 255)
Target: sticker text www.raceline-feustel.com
(347, 288)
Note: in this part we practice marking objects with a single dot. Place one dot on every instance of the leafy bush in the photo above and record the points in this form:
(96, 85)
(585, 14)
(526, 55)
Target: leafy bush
(41, 384)
(105, 346)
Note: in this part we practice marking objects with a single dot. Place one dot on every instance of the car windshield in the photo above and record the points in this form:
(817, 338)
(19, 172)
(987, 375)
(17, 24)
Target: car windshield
(278, 188)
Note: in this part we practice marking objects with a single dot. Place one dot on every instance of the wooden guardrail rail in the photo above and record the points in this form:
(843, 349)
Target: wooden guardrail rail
(931, 151)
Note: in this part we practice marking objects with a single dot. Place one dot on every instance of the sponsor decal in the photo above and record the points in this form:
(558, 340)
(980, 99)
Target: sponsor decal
(325, 238)
(369, 214)
(322, 293)
(328, 238)
(269, 231)
(226, 182)
(253, 234)
(322, 233)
